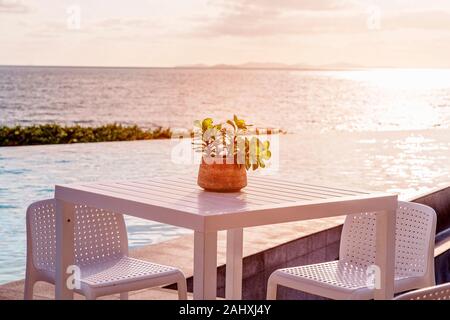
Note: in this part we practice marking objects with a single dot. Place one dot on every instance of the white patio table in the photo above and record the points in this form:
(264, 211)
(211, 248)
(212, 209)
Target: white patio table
(180, 202)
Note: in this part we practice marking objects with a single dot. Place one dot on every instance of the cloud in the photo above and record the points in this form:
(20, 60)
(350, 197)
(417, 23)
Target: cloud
(121, 23)
(241, 18)
(111, 27)
(13, 6)
(284, 17)
(120, 30)
(242, 26)
(425, 20)
(280, 5)
(245, 18)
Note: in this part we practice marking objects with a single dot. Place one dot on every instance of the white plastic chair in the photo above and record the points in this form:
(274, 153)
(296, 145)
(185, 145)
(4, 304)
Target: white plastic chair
(440, 292)
(101, 253)
(351, 276)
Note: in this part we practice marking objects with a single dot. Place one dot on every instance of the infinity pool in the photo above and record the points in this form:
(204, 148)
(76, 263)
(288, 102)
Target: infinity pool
(404, 162)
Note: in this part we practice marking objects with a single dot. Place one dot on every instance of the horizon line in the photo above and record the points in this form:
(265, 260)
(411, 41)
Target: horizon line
(226, 67)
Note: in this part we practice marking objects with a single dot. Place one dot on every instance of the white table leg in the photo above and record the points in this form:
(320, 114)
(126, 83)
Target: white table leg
(233, 286)
(65, 213)
(205, 265)
(385, 258)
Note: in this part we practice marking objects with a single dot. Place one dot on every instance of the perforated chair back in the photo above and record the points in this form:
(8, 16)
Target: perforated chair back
(99, 235)
(414, 246)
(100, 252)
(350, 277)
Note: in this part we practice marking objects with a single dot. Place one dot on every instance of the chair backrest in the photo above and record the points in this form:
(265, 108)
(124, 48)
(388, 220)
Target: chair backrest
(414, 245)
(99, 235)
(441, 292)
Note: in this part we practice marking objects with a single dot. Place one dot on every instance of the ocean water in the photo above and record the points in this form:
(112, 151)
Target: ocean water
(292, 100)
(378, 130)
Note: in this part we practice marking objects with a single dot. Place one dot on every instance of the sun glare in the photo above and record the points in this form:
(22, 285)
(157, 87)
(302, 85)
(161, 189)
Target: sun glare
(403, 78)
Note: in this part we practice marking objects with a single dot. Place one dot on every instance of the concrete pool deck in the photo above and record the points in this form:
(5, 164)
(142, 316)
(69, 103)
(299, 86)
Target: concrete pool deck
(265, 249)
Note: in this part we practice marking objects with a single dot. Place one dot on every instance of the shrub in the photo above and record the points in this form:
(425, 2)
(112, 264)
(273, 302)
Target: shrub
(57, 134)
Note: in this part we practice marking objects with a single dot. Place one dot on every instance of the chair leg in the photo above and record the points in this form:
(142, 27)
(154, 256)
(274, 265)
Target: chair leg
(124, 296)
(90, 295)
(182, 288)
(272, 287)
(29, 286)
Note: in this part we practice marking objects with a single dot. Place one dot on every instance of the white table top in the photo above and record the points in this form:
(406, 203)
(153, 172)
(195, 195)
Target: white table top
(179, 201)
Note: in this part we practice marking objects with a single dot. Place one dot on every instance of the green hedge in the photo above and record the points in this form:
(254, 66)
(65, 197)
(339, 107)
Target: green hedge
(57, 134)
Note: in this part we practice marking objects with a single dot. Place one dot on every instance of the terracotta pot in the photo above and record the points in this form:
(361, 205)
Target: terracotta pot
(222, 177)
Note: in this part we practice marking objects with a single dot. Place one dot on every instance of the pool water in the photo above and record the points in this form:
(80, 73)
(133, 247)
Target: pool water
(407, 162)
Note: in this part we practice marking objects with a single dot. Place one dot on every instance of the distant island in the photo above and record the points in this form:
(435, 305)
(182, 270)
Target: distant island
(273, 65)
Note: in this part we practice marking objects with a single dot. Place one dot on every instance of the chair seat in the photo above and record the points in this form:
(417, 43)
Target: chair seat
(123, 270)
(440, 292)
(333, 273)
(333, 276)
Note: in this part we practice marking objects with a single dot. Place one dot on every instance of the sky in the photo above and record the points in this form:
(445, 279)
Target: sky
(157, 33)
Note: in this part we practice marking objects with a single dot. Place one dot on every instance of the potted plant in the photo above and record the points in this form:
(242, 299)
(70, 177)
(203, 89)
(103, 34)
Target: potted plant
(228, 151)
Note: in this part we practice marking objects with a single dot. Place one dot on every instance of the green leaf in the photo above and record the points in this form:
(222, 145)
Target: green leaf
(240, 123)
(207, 124)
(220, 138)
